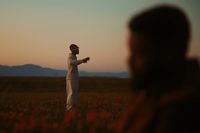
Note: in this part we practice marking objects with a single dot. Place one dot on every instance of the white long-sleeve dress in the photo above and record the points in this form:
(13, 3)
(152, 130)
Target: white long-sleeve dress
(72, 80)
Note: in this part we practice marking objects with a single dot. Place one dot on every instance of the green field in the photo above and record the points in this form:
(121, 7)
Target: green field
(37, 104)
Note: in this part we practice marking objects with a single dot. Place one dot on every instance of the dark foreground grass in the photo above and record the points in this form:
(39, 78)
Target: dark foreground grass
(32, 108)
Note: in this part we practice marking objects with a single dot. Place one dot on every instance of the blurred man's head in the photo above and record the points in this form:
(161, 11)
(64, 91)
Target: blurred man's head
(74, 49)
(158, 38)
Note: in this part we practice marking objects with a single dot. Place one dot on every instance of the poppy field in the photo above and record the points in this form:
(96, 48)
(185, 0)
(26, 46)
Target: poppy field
(43, 109)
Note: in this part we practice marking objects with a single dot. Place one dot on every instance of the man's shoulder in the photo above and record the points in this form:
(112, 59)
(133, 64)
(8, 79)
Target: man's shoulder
(71, 56)
(180, 115)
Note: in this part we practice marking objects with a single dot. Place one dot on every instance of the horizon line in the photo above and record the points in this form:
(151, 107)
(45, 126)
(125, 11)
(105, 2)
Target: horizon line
(80, 70)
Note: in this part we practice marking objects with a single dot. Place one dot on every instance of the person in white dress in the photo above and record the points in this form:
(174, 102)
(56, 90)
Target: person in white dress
(72, 77)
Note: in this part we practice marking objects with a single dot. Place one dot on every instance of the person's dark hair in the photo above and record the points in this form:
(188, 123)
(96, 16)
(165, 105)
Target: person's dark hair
(73, 46)
(167, 27)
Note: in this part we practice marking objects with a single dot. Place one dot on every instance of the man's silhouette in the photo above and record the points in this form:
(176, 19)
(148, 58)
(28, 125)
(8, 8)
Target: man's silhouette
(72, 79)
(165, 80)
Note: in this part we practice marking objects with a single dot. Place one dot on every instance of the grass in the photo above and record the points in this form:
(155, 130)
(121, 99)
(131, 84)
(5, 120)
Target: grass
(36, 104)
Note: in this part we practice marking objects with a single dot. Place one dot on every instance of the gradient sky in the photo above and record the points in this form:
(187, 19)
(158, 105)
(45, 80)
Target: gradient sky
(40, 31)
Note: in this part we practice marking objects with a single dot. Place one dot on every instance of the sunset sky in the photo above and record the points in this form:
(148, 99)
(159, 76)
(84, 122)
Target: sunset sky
(40, 31)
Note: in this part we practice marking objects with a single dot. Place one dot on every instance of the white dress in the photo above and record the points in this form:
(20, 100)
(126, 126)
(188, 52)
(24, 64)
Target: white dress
(72, 80)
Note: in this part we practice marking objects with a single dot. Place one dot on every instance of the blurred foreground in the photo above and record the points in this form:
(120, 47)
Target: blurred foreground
(30, 104)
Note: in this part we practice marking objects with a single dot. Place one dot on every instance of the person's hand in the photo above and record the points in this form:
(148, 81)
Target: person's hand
(86, 59)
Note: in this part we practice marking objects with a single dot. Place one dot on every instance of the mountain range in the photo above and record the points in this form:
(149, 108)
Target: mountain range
(36, 70)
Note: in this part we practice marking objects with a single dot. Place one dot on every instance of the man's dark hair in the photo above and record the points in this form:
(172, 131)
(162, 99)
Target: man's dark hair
(167, 27)
(73, 46)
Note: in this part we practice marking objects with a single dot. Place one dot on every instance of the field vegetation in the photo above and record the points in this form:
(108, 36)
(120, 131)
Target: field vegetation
(37, 104)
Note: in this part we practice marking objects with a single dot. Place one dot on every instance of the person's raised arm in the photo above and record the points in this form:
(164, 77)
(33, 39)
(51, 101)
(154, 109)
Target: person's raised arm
(76, 62)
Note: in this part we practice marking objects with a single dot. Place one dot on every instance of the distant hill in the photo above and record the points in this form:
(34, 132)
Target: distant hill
(36, 70)
(29, 70)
